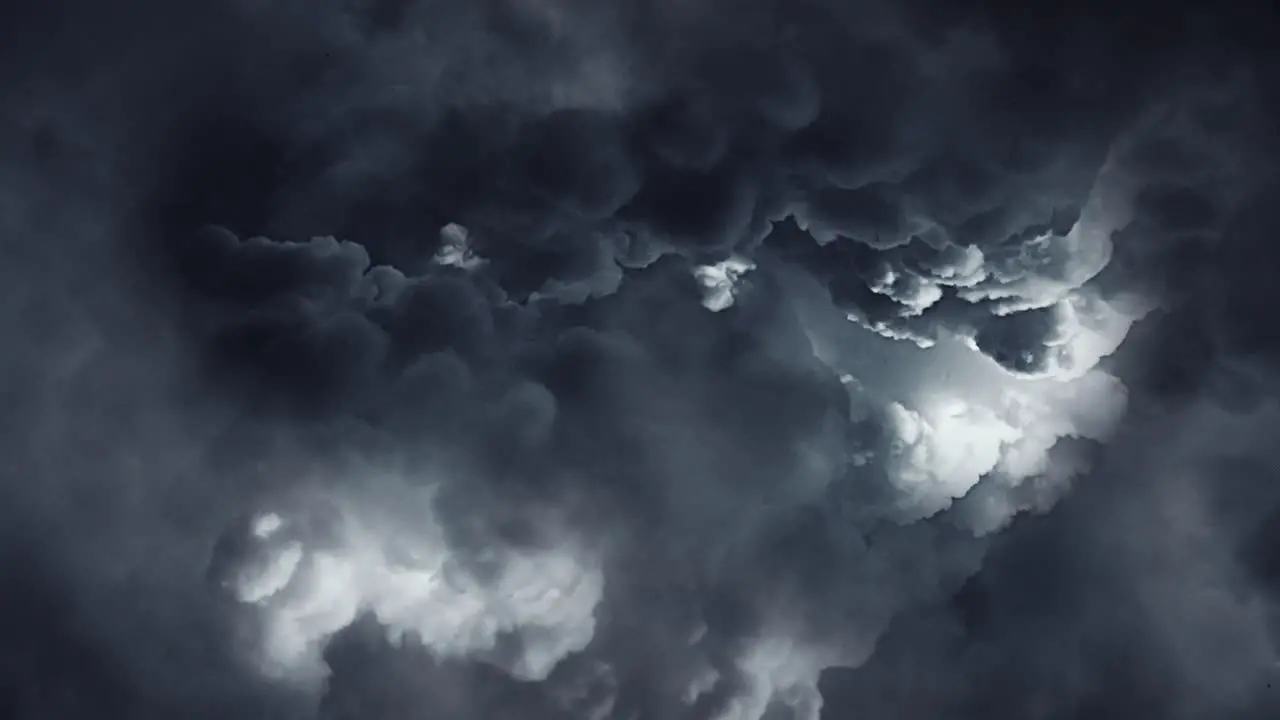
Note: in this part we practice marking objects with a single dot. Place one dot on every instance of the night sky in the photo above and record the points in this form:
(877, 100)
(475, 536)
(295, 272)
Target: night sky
(639, 360)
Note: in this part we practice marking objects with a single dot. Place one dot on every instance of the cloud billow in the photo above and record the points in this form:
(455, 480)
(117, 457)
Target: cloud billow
(667, 360)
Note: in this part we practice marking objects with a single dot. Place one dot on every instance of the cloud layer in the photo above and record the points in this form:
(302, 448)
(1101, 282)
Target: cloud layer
(746, 361)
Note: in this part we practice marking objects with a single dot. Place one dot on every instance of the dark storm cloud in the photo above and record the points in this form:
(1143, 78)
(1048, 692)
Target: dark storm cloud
(402, 359)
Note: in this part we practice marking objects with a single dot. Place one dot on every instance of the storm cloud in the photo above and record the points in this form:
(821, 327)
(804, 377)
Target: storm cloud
(708, 360)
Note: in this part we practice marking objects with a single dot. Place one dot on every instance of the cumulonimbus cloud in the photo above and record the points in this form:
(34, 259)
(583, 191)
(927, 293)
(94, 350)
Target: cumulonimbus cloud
(652, 359)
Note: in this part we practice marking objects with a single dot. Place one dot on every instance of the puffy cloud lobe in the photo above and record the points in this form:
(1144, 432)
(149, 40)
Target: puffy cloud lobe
(455, 248)
(410, 581)
(1022, 298)
(947, 442)
(949, 423)
(719, 282)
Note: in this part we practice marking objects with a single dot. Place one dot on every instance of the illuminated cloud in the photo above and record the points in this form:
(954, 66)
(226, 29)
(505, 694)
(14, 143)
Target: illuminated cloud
(310, 583)
(611, 361)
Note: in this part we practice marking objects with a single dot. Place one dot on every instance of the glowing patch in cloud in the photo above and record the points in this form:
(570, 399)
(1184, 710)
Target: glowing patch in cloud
(455, 248)
(719, 281)
(410, 580)
(266, 525)
(936, 454)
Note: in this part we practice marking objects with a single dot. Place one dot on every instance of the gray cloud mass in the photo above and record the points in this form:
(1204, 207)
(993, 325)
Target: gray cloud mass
(671, 360)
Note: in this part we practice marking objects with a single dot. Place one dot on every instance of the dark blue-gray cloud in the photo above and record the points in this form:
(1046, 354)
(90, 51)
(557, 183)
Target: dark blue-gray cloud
(427, 359)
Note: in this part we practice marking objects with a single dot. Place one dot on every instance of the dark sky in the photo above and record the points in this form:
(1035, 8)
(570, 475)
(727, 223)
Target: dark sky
(639, 360)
